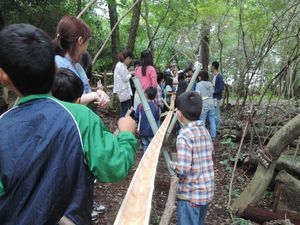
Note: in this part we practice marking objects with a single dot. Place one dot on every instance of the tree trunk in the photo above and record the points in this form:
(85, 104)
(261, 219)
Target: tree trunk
(2, 24)
(78, 7)
(134, 26)
(263, 176)
(204, 45)
(287, 193)
(149, 30)
(115, 37)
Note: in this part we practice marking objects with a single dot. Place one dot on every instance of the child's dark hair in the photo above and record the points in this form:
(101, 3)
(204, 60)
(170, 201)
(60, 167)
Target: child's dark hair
(190, 105)
(27, 57)
(3, 106)
(181, 76)
(204, 75)
(169, 81)
(67, 86)
(160, 77)
(136, 63)
(151, 93)
(86, 63)
(188, 69)
(215, 64)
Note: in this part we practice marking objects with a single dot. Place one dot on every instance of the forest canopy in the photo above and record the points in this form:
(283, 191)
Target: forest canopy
(256, 42)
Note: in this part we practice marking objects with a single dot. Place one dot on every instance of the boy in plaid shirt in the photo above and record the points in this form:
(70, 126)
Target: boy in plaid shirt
(194, 165)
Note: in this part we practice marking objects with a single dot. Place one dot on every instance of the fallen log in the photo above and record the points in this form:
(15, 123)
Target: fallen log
(289, 163)
(287, 193)
(263, 175)
(260, 215)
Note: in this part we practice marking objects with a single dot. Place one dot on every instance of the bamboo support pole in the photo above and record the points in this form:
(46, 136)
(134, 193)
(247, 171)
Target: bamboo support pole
(149, 115)
(136, 207)
(189, 87)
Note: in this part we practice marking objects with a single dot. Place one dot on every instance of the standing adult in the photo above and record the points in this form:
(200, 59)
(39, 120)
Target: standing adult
(205, 88)
(218, 84)
(146, 74)
(122, 81)
(71, 41)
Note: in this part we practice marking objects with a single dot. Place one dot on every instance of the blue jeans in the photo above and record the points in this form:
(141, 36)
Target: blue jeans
(188, 214)
(124, 107)
(217, 113)
(210, 113)
(145, 142)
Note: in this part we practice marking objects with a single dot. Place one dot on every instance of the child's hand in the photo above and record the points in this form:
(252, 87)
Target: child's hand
(127, 124)
(102, 98)
(172, 165)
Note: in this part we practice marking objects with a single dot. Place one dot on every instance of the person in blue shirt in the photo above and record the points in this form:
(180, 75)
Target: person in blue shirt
(218, 84)
(144, 127)
(71, 41)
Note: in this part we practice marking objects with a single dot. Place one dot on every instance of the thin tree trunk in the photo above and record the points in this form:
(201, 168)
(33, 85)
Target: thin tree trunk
(135, 19)
(2, 23)
(149, 31)
(86, 8)
(78, 7)
(112, 30)
(115, 37)
(204, 46)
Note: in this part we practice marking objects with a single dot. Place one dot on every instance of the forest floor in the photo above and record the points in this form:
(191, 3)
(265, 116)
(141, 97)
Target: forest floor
(111, 195)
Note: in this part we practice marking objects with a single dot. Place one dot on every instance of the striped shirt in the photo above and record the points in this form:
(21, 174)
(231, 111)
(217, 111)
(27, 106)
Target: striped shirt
(194, 165)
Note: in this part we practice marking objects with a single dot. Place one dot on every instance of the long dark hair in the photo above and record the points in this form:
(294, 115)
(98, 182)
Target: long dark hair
(69, 29)
(146, 60)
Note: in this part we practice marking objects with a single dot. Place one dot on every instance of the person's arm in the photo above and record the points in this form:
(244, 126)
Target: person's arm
(108, 157)
(99, 97)
(184, 157)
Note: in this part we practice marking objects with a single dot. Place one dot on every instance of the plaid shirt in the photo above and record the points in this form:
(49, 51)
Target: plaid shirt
(194, 165)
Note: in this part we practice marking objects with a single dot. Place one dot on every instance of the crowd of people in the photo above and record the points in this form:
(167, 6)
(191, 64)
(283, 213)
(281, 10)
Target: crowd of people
(53, 147)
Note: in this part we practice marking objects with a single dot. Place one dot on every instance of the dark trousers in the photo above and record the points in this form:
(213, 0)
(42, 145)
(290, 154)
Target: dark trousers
(125, 106)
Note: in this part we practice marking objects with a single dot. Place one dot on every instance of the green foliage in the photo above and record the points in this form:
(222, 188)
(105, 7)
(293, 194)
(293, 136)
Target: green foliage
(245, 29)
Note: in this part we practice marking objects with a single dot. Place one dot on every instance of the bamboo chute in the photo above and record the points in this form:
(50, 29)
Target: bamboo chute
(136, 207)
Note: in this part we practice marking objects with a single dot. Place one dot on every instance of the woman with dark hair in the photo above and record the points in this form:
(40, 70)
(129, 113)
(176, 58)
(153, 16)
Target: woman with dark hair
(146, 74)
(71, 41)
(122, 81)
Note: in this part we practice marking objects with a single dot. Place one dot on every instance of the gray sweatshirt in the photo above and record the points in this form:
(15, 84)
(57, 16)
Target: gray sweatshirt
(206, 90)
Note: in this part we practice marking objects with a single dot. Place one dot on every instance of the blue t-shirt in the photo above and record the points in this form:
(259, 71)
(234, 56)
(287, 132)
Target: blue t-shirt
(65, 62)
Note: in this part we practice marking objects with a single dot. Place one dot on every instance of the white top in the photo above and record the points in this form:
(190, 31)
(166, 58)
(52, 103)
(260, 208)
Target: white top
(121, 82)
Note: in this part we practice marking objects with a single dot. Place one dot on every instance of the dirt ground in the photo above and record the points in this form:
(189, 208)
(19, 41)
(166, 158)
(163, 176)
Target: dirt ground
(111, 195)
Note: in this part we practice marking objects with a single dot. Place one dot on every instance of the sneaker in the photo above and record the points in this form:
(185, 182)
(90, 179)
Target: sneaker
(98, 208)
